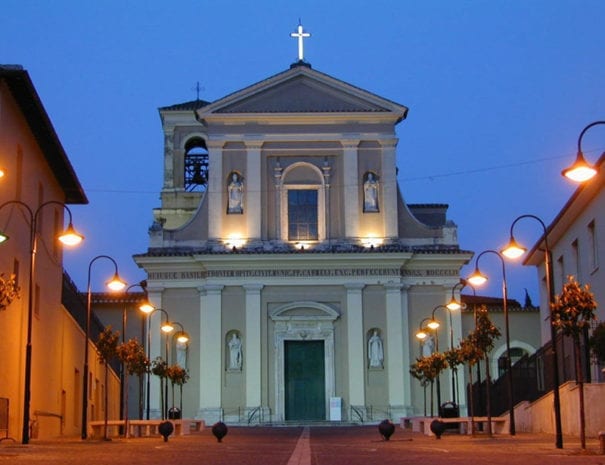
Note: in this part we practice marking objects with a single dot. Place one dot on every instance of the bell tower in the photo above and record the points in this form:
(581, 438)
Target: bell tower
(185, 164)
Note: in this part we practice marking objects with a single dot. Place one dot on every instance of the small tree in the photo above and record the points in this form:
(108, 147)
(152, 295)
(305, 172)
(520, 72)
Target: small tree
(454, 357)
(179, 376)
(107, 345)
(9, 290)
(417, 372)
(572, 313)
(135, 362)
(471, 355)
(159, 367)
(429, 368)
(484, 336)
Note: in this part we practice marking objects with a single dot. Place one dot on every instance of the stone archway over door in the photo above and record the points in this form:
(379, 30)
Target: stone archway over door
(311, 322)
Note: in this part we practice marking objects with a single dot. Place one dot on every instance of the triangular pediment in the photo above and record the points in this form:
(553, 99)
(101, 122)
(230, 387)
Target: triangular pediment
(301, 90)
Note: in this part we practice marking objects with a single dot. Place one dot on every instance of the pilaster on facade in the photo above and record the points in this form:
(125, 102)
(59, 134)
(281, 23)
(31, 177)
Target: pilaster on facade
(406, 351)
(327, 170)
(395, 362)
(216, 188)
(253, 345)
(211, 348)
(352, 203)
(168, 158)
(277, 180)
(253, 189)
(389, 186)
(154, 347)
(355, 334)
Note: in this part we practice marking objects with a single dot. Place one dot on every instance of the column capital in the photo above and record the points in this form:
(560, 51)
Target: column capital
(215, 144)
(354, 286)
(253, 287)
(213, 288)
(350, 143)
(254, 143)
(201, 290)
(393, 287)
(154, 289)
(388, 143)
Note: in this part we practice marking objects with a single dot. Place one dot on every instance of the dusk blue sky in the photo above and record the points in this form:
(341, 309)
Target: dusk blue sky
(498, 93)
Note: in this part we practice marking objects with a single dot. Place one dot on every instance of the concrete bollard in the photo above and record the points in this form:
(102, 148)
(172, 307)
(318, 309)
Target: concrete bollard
(602, 442)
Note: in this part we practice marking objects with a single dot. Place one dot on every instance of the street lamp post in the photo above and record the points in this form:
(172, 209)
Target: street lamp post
(581, 170)
(166, 327)
(142, 306)
(514, 250)
(182, 337)
(422, 335)
(114, 284)
(434, 324)
(70, 238)
(477, 278)
(455, 304)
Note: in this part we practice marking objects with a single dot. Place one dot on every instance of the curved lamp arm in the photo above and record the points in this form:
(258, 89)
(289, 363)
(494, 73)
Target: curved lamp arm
(455, 304)
(581, 170)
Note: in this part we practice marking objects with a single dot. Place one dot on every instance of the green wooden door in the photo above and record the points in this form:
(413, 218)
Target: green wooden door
(305, 380)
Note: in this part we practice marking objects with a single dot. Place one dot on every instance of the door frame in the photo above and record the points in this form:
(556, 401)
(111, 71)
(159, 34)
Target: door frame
(300, 321)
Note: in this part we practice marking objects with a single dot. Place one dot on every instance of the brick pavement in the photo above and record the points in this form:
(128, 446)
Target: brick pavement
(326, 446)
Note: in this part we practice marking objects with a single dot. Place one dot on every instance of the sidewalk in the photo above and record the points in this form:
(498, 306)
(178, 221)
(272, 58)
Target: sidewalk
(324, 446)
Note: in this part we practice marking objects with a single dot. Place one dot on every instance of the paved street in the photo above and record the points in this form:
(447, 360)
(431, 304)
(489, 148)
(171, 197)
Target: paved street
(306, 446)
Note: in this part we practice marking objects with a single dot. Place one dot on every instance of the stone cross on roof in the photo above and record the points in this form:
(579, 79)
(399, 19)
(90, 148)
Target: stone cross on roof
(300, 35)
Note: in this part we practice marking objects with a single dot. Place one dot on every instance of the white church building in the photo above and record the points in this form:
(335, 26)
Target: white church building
(283, 245)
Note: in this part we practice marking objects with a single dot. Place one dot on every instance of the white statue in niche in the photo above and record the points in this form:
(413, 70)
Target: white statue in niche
(181, 354)
(375, 350)
(236, 193)
(370, 193)
(235, 353)
(428, 345)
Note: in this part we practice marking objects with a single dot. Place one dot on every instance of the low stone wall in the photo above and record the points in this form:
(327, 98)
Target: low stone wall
(539, 416)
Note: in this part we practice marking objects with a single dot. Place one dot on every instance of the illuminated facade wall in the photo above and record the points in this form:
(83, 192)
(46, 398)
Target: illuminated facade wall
(300, 233)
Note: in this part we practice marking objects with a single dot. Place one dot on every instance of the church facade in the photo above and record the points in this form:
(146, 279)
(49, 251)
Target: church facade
(284, 247)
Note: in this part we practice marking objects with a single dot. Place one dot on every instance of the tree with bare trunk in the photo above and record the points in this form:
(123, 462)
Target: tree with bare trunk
(572, 312)
(107, 345)
(132, 355)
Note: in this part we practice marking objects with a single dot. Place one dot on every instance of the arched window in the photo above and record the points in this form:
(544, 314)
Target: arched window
(196, 165)
(516, 354)
(302, 215)
(303, 203)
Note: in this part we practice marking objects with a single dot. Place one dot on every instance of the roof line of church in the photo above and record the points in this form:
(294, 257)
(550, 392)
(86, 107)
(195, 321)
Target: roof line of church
(213, 250)
(197, 104)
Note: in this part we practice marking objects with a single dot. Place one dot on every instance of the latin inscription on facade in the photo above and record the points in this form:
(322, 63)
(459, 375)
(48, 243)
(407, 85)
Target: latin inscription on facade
(195, 275)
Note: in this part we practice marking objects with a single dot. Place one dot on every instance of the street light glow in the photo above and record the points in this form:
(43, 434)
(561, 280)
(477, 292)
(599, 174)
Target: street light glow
(513, 250)
(581, 170)
(70, 236)
(146, 307)
(477, 278)
(167, 327)
(454, 305)
(116, 283)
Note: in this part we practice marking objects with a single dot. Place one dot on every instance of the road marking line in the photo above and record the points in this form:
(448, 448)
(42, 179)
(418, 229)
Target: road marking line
(302, 451)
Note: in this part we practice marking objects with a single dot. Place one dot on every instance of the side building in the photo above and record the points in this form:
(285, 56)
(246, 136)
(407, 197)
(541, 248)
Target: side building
(42, 345)
(576, 238)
